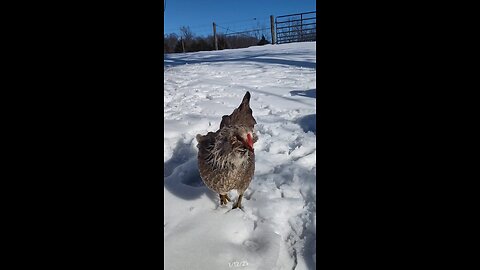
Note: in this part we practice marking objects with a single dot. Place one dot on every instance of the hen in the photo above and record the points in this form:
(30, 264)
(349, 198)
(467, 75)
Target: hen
(226, 158)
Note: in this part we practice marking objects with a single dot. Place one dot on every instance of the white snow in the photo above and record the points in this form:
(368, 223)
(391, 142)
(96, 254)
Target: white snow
(277, 229)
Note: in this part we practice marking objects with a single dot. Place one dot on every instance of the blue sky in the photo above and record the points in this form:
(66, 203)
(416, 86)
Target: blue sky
(234, 15)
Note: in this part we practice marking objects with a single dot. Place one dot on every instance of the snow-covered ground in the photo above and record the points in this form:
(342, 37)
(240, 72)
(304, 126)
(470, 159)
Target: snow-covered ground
(277, 228)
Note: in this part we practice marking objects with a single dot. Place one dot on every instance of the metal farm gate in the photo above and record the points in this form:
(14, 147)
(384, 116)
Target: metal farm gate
(296, 27)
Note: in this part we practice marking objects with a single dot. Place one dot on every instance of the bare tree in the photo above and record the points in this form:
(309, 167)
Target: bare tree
(169, 42)
(187, 36)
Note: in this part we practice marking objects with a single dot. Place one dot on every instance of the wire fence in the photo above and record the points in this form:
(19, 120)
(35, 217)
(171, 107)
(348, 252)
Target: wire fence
(254, 27)
(256, 33)
(243, 33)
(296, 27)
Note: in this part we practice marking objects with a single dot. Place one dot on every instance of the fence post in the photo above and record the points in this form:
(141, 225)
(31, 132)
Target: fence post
(301, 27)
(183, 45)
(272, 29)
(215, 36)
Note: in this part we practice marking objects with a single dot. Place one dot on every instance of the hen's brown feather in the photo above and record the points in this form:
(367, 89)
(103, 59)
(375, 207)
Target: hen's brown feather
(224, 161)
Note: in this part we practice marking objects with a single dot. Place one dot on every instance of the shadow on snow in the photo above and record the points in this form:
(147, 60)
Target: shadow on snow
(308, 123)
(312, 93)
(181, 175)
(176, 61)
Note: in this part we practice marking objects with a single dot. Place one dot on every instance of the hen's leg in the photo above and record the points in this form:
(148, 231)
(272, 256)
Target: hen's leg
(238, 204)
(224, 199)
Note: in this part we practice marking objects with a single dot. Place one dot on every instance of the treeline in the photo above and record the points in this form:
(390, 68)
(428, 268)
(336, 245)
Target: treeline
(188, 42)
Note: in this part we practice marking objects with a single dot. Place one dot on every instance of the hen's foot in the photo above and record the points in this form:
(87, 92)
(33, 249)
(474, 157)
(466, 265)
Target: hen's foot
(224, 199)
(238, 204)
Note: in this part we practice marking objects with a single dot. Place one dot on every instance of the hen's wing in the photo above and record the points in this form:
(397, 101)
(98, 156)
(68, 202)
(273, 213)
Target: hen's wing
(204, 141)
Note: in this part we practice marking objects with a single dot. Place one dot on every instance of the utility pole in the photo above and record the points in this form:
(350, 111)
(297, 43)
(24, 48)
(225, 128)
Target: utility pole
(215, 36)
(272, 29)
